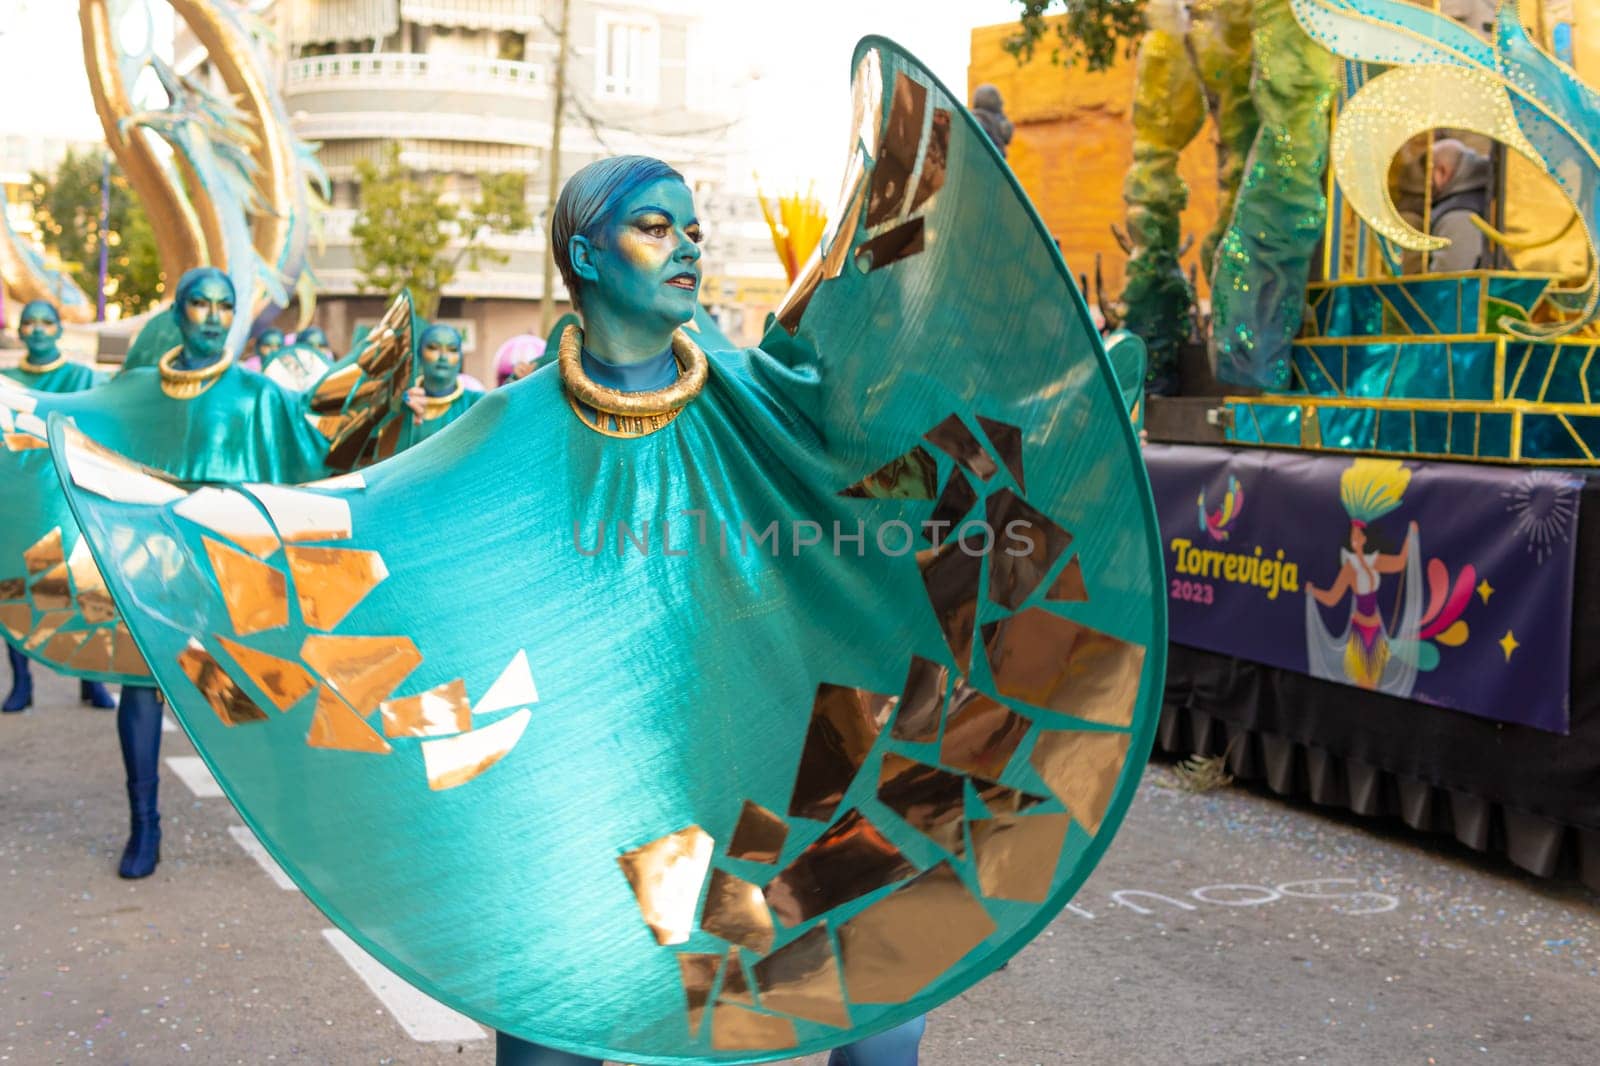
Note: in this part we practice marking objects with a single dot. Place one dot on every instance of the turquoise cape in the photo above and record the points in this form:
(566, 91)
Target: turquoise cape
(158, 336)
(243, 428)
(68, 377)
(691, 747)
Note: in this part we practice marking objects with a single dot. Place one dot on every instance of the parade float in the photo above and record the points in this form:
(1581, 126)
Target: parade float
(211, 158)
(1378, 527)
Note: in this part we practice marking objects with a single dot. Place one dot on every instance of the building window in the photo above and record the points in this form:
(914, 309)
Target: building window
(627, 58)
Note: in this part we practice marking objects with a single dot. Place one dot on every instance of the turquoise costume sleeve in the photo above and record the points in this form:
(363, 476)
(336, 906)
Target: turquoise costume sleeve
(710, 749)
(156, 338)
(242, 428)
(52, 603)
(68, 377)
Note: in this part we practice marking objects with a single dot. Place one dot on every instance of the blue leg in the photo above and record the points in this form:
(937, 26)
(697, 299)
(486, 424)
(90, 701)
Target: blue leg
(897, 1047)
(139, 729)
(21, 695)
(94, 694)
(510, 1051)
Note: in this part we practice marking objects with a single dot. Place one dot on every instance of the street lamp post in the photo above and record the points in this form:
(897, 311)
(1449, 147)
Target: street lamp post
(547, 298)
(105, 230)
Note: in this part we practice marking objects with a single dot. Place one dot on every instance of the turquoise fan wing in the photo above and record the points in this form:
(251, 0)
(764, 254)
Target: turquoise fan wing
(733, 742)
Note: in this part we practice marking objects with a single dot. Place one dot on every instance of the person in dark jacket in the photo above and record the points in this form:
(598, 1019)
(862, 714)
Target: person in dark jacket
(989, 110)
(1462, 179)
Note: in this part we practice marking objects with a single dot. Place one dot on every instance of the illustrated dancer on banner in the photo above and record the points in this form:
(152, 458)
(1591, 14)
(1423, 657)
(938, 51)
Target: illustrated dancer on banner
(1370, 652)
(47, 369)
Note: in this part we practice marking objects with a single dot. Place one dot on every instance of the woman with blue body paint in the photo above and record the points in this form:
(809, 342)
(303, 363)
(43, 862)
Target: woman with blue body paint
(264, 349)
(439, 396)
(699, 801)
(47, 369)
(199, 417)
(627, 241)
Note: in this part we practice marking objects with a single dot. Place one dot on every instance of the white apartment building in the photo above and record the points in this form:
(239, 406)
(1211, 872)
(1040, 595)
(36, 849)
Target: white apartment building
(467, 87)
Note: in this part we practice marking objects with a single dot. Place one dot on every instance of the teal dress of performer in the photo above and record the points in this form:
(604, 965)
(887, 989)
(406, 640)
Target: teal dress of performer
(786, 693)
(47, 369)
(444, 396)
(198, 418)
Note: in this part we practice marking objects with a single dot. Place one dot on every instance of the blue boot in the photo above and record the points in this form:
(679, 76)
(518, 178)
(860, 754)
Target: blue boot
(897, 1047)
(512, 1051)
(139, 729)
(21, 696)
(94, 694)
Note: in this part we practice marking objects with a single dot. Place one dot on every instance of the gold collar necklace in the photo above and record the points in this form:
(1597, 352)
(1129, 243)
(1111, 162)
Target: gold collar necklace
(43, 368)
(435, 406)
(187, 384)
(630, 414)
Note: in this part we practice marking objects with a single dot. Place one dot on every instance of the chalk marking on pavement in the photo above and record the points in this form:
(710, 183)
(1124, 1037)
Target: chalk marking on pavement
(193, 773)
(252, 847)
(424, 1019)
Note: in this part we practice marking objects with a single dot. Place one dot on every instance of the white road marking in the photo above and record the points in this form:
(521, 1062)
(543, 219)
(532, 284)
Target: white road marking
(252, 847)
(168, 725)
(193, 773)
(423, 1019)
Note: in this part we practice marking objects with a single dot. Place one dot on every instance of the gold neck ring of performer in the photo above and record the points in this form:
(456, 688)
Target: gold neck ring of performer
(435, 406)
(43, 368)
(630, 414)
(187, 384)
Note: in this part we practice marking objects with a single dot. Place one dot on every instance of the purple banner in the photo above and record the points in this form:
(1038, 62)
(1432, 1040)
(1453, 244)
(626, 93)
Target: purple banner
(1449, 584)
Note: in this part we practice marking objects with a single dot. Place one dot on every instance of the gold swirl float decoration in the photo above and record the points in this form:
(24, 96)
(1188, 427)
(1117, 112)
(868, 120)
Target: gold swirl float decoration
(189, 218)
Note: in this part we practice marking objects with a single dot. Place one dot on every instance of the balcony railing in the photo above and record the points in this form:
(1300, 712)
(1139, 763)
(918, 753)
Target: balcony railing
(472, 284)
(441, 126)
(402, 70)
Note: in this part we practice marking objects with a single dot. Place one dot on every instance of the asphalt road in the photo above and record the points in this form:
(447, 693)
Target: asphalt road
(1223, 927)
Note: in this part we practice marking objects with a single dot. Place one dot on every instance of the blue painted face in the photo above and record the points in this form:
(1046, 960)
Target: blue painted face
(645, 262)
(268, 345)
(40, 329)
(207, 315)
(313, 337)
(441, 359)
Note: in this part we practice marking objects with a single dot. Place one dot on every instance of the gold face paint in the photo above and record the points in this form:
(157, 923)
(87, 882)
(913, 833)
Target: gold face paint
(202, 307)
(647, 242)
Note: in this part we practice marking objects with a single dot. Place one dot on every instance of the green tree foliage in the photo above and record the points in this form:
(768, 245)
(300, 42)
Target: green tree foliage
(408, 234)
(66, 205)
(1092, 30)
